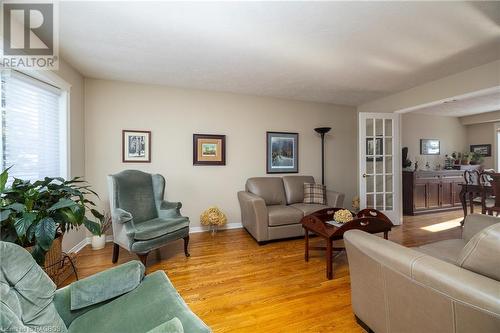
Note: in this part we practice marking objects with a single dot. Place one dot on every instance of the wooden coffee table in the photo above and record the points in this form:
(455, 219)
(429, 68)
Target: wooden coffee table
(368, 220)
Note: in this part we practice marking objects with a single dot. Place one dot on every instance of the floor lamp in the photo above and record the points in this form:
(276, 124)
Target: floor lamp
(322, 131)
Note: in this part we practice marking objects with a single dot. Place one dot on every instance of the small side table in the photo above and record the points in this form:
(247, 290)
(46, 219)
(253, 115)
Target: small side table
(368, 220)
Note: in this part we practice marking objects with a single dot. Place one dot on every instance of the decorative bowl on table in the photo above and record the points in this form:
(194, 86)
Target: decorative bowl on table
(342, 216)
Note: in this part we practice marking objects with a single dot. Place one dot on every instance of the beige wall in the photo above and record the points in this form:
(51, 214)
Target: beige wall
(173, 115)
(77, 148)
(483, 134)
(448, 130)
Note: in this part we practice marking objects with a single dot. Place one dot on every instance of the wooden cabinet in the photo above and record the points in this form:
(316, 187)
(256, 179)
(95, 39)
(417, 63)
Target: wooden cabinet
(431, 191)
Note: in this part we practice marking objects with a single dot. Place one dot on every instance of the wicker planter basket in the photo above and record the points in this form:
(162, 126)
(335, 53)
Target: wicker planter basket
(58, 265)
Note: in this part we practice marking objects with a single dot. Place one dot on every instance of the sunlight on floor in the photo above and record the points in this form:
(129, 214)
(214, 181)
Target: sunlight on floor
(443, 225)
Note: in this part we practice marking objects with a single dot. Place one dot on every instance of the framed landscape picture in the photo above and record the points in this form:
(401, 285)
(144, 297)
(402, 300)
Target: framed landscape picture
(209, 149)
(282, 153)
(136, 146)
(430, 147)
(483, 150)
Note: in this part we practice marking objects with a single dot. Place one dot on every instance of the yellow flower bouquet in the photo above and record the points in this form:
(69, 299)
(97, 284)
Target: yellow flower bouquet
(343, 216)
(213, 217)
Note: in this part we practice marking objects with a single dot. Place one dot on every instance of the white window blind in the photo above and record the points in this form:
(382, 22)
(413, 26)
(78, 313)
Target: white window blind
(33, 126)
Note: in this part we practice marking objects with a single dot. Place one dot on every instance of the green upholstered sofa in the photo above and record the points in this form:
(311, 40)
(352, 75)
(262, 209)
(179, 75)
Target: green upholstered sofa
(120, 299)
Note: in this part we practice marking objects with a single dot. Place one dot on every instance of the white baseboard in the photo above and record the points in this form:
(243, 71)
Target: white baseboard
(194, 230)
(87, 241)
(109, 238)
(78, 247)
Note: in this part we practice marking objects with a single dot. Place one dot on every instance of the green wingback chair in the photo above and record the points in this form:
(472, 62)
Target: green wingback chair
(120, 299)
(142, 220)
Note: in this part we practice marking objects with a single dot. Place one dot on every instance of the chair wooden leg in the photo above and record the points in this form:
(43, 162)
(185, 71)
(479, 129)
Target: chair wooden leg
(143, 258)
(116, 253)
(186, 242)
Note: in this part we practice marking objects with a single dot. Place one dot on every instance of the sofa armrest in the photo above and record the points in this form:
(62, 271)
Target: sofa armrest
(335, 199)
(475, 223)
(168, 209)
(254, 215)
(106, 285)
(121, 216)
(379, 268)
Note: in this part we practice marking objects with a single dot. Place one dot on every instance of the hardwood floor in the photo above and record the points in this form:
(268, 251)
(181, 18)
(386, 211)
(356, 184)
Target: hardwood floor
(235, 285)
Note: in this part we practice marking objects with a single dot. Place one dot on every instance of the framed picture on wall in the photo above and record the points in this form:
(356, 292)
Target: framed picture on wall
(374, 146)
(483, 150)
(430, 147)
(136, 146)
(282, 152)
(209, 149)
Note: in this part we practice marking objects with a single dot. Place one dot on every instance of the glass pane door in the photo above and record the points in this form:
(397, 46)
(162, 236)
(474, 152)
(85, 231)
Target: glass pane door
(378, 163)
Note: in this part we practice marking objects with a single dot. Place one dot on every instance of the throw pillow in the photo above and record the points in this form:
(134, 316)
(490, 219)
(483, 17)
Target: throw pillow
(314, 194)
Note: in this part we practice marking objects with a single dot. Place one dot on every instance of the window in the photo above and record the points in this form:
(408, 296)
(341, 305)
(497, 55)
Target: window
(34, 131)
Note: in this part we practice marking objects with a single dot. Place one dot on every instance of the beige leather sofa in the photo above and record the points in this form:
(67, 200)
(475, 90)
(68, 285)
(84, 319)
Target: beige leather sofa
(272, 207)
(448, 286)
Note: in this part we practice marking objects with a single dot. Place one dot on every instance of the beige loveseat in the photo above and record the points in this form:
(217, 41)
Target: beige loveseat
(451, 286)
(272, 207)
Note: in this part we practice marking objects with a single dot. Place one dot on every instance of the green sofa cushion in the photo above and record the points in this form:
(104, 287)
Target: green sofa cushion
(134, 194)
(158, 227)
(26, 291)
(151, 304)
(106, 285)
(151, 244)
(174, 325)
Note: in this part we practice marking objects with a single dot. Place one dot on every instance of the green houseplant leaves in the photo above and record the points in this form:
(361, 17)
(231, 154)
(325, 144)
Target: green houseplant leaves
(35, 213)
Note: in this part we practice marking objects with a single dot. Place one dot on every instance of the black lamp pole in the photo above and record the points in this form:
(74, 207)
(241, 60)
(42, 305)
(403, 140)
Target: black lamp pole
(322, 131)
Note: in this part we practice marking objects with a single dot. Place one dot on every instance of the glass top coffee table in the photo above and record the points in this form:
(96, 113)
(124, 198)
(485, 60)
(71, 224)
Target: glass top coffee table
(368, 220)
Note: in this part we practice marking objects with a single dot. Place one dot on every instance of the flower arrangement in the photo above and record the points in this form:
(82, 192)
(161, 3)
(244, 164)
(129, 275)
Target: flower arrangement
(213, 217)
(342, 216)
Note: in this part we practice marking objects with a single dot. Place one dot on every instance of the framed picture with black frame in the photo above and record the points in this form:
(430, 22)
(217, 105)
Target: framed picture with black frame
(209, 149)
(282, 152)
(136, 146)
(483, 149)
(430, 147)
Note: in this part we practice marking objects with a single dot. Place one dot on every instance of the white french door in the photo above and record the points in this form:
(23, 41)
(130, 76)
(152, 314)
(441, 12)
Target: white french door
(379, 164)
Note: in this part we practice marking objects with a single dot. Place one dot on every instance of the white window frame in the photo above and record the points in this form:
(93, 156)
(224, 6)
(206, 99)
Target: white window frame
(65, 114)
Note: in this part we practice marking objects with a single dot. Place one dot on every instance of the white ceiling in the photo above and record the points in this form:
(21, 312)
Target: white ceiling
(461, 106)
(339, 52)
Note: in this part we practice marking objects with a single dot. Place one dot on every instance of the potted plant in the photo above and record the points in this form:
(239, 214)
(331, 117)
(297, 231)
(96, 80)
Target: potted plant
(34, 214)
(466, 157)
(99, 241)
(476, 158)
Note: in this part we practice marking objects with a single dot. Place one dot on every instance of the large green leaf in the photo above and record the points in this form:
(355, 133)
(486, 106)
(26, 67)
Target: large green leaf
(70, 216)
(45, 232)
(4, 176)
(22, 224)
(18, 207)
(97, 214)
(62, 203)
(4, 214)
(93, 227)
